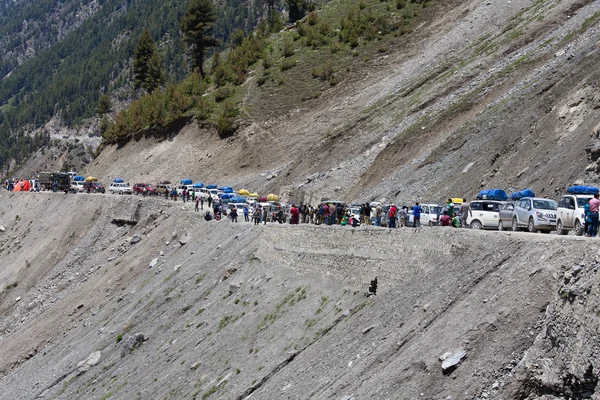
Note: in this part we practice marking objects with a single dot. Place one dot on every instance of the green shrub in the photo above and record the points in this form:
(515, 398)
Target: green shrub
(312, 18)
(223, 92)
(287, 49)
(287, 64)
(261, 80)
(400, 4)
(226, 125)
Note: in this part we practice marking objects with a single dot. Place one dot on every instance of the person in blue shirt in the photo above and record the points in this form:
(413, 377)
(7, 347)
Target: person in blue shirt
(417, 210)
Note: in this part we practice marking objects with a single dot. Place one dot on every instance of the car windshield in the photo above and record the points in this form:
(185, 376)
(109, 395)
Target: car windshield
(582, 201)
(545, 205)
(437, 210)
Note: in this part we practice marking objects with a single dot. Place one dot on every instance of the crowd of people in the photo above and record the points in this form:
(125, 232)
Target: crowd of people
(337, 213)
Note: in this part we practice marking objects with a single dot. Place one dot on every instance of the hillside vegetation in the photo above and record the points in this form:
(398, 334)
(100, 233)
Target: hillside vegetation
(58, 57)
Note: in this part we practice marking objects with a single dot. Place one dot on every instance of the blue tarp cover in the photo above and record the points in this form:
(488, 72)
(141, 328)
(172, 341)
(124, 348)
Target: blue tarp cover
(523, 193)
(237, 200)
(211, 186)
(186, 181)
(492, 194)
(198, 185)
(226, 196)
(583, 190)
(78, 178)
(118, 180)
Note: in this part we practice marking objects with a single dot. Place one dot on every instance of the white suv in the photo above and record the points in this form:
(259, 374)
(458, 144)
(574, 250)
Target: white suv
(484, 214)
(570, 215)
(120, 188)
(534, 213)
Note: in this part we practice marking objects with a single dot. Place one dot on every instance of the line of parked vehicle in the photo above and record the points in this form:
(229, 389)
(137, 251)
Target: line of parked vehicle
(492, 209)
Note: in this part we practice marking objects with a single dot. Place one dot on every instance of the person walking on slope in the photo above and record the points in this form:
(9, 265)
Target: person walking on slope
(393, 213)
(465, 210)
(594, 205)
(417, 210)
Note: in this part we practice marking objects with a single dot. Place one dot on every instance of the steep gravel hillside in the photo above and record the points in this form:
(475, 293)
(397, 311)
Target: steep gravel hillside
(480, 95)
(124, 297)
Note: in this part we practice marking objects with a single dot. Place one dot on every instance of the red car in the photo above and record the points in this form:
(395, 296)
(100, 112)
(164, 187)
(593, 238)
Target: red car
(139, 188)
(93, 187)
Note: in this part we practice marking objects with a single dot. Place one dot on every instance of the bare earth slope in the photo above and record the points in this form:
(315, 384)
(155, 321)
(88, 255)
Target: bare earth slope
(200, 309)
(480, 95)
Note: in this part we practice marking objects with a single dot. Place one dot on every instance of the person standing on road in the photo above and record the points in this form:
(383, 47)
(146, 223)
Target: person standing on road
(202, 203)
(234, 214)
(450, 207)
(256, 215)
(402, 214)
(393, 213)
(367, 214)
(378, 214)
(465, 211)
(197, 202)
(184, 195)
(295, 214)
(417, 210)
(594, 205)
(209, 200)
(587, 214)
(246, 219)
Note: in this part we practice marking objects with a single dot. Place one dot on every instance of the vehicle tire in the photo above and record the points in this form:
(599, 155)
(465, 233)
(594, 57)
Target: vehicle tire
(531, 226)
(515, 226)
(578, 228)
(111, 192)
(475, 224)
(500, 227)
(430, 223)
(560, 230)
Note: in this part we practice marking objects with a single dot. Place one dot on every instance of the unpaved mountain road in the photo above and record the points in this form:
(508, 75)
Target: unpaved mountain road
(230, 310)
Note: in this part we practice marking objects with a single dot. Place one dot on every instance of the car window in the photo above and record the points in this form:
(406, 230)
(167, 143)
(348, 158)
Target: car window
(545, 205)
(475, 206)
(491, 206)
(509, 207)
(581, 202)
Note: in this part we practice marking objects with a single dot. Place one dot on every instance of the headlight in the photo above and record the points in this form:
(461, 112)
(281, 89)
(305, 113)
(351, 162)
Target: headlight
(540, 215)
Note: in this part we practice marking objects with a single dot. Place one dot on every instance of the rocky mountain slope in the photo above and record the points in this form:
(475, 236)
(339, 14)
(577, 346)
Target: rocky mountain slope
(481, 94)
(141, 298)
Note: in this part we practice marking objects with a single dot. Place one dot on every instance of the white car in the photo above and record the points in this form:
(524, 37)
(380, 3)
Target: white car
(120, 188)
(484, 214)
(77, 186)
(430, 214)
(570, 215)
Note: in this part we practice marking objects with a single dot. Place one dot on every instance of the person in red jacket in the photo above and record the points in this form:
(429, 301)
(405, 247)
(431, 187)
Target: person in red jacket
(295, 214)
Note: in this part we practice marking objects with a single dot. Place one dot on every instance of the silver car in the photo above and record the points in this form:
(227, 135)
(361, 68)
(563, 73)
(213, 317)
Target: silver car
(505, 216)
(535, 214)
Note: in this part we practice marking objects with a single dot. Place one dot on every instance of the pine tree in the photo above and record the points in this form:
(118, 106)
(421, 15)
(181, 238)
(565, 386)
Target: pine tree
(197, 25)
(147, 64)
(104, 105)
